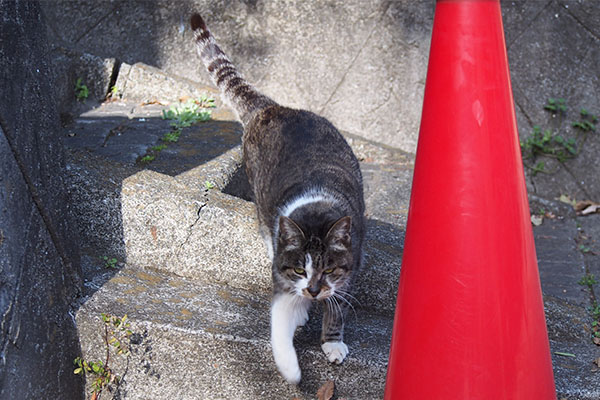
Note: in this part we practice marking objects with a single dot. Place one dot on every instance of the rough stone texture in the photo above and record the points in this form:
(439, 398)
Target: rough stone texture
(166, 233)
(338, 67)
(555, 54)
(162, 217)
(362, 65)
(39, 259)
(567, 303)
(559, 273)
(95, 73)
(207, 341)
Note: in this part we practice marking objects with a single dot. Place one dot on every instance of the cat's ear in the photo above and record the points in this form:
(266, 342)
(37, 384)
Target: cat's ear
(290, 234)
(338, 237)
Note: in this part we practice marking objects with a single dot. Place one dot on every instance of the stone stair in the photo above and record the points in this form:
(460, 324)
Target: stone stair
(193, 274)
(200, 340)
(194, 278)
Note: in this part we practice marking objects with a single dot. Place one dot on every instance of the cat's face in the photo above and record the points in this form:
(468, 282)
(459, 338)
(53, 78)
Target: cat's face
(314, 267)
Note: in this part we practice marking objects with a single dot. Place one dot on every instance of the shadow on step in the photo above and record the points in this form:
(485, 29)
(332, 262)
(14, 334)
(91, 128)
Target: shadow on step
(106, 146)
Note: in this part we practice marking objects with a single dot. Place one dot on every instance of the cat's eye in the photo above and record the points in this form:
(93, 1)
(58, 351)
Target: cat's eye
(299, 271)
(328, 271)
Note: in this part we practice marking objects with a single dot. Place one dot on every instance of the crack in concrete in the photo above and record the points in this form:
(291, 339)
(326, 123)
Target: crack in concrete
(375, 25)
(527, 117)
(508, 45)
(100, 20)
(576, 180)
(43, 212)
(583, 25)
(201, 205)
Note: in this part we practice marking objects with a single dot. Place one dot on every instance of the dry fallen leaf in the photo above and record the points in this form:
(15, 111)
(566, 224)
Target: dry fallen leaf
(597, 361)
(597, 341)
(590, 208)
(325, 392)
(153, 101)
(566, 199)
(537, 220)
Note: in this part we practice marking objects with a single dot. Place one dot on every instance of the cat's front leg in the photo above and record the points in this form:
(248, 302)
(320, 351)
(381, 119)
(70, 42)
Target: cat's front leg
(332, 333)
(288, 311)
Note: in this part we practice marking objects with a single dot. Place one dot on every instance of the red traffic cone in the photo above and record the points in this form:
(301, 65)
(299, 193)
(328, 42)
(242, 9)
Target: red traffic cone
(469, 320)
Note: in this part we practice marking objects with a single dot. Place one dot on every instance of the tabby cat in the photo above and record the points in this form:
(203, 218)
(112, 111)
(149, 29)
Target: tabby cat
(308, 192)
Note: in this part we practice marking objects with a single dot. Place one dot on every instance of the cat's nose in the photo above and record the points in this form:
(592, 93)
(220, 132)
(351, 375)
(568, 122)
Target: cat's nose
(314, 291)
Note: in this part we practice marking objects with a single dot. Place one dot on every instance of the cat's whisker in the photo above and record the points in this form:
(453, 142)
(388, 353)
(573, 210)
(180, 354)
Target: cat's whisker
(347, 302)
(339, 310)
(347, 294)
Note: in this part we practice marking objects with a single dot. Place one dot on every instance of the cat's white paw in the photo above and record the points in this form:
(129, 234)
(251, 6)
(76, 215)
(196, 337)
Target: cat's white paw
(287, 364)
(335, 351)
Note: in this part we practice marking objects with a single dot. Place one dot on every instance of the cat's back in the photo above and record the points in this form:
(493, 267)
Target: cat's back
(288, 152)
(287, 137)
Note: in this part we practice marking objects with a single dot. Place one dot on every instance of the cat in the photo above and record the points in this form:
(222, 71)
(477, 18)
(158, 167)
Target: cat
(308, 191)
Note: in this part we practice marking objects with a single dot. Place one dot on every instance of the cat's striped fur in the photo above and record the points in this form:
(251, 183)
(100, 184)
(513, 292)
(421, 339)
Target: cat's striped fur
(237, 92)
(308, 191)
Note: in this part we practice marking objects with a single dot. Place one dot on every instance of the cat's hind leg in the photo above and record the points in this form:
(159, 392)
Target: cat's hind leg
(288, 311)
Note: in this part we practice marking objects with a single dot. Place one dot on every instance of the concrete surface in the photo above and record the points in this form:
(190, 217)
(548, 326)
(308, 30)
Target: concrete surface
(351, 61)
(202, 340)
(363, 66)
(166, 219)
(40, 274)
(171, 227)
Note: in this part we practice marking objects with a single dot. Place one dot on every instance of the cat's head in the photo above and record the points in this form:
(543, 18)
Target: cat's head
(314, 266)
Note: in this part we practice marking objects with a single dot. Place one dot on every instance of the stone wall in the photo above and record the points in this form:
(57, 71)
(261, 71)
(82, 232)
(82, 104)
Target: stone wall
(39, 260)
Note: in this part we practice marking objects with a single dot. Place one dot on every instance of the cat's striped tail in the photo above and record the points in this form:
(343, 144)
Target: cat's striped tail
(240, 95)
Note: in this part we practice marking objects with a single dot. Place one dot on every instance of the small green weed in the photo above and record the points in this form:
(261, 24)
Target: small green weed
(556, 105)
(209, 185)
(587, 122)
(556, 143)
(182, 116)
(116, 337)
(587, 280)
(81, 91)
(595, 312)
(172, 136)
(148, 158)
(113, 93)
(548, 144)
(188, 113)
(109, 262)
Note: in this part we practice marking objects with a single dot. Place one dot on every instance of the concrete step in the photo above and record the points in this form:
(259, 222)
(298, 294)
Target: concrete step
(195, 340)
(161, 216)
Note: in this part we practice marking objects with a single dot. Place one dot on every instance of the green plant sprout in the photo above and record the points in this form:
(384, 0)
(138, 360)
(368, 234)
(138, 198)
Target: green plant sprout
(172, 136)
(81, 91)
(109, 262)
(555, 142)
(209, 185)
(556, 105)
(587, 121)
(182, 115)
(159, 147)
(148, 158)
(587, 280)
(188, 113)
(549, 144)
(116, 338)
